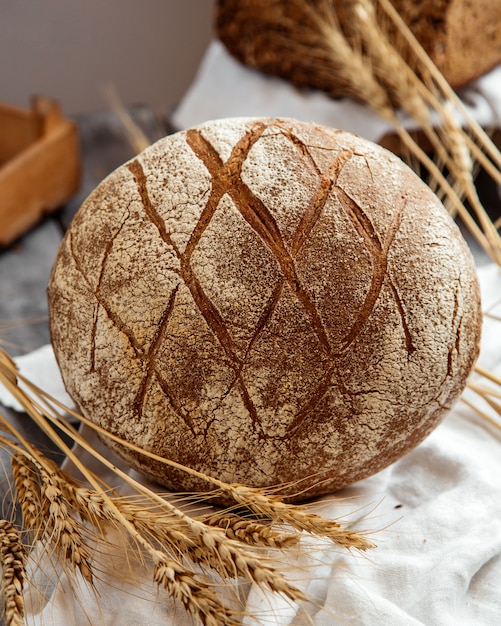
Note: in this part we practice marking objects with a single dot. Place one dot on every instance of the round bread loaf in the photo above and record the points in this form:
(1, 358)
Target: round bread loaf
(266, 301)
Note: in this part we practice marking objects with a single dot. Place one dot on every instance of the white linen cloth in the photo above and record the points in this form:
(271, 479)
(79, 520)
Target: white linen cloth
(436, 514)
(225, 88)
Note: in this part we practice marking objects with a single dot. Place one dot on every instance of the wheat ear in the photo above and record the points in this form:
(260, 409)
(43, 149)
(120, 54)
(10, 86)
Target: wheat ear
(28, 493)
(60, 526)
(251, 532)
(13, 573)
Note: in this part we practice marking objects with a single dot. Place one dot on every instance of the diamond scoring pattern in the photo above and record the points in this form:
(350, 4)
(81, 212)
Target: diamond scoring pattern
(226, 179)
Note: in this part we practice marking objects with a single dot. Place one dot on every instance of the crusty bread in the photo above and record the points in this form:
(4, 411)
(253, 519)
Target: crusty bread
(280, 37)
(267, 301)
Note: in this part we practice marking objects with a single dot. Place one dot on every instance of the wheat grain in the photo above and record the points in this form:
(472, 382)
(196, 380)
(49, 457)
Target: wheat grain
(13, 573)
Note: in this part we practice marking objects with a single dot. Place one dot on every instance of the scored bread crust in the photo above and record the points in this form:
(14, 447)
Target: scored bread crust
(266, 301)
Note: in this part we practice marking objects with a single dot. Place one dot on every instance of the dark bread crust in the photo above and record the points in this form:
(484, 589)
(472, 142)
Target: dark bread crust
(463, 38)
(265, 300)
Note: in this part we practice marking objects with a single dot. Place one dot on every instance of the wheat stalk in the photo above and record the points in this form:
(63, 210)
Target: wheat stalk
(449, 140)
(60, 495)
(13, 573)
(205, 543)
(238, 492)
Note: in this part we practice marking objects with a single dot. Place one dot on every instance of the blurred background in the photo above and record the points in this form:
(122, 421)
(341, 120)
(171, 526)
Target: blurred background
(69, 50)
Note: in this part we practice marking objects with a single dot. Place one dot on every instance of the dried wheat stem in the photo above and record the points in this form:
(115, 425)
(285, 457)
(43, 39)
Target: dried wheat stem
(492, 403)
(181, 584)
(485, 416)
(198, 598)
(464, 172)
(404, 86)
(8, 367)
(206, 545)
(491, 316)
(431, 166)
(333, 530)
(450, 143)
(375, 96)
(13, 573)
(248, 496)
(313, 524)
(480, 156)
(487, 374)
(134, 529)
(482, 390)
(437, 103)
(184, 533)
(215, 547)
(230, 557)
(459, 162)
(133, 132)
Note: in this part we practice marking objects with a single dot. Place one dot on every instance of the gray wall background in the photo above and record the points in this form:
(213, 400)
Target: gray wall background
(71, 49)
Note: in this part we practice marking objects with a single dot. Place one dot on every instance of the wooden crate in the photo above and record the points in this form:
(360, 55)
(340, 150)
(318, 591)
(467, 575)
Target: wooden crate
(39, 165)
